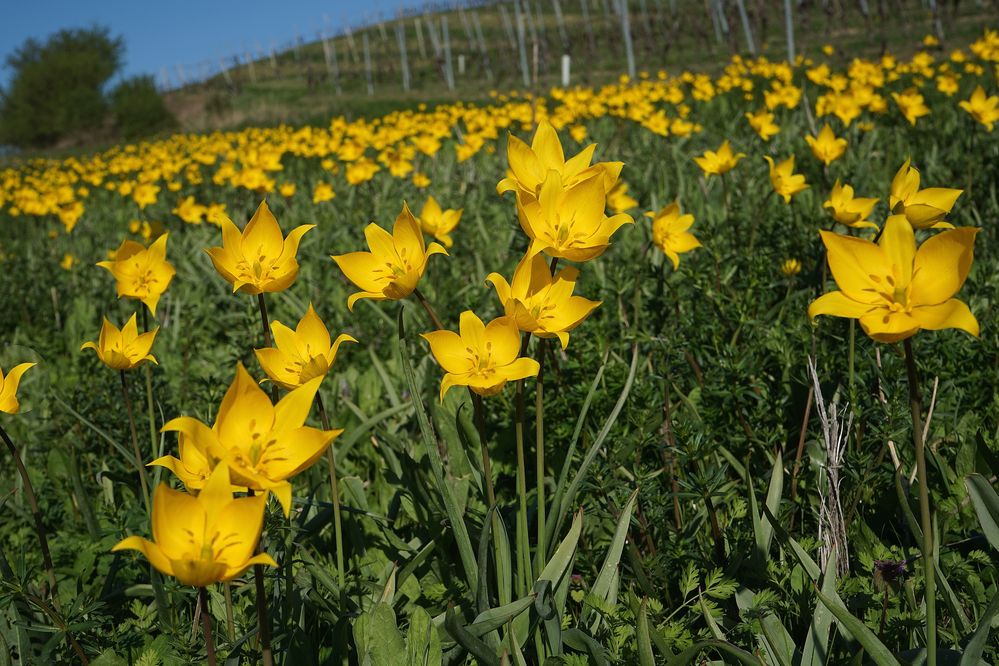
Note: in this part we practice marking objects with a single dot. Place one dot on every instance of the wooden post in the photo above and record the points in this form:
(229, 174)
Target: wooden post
(789, 30)
(483, 50)
(332, 66)
(563, 36)
(419, 37)
(565, 70)
(626, 34)
(367, 63)
(508, 27)
(521, 39)
(400, 35)
(746, 28)
(446, 37)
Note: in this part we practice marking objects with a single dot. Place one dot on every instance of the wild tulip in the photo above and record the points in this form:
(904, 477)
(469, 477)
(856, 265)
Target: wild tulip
(849, 210)
(141, 273)
(123, 349)
(259, 259)
(438, 222)
(925, 209)
(763, 124)
(717, 163)
(895, 289)
(302, 354)
(785, 182)
(826, 147)
(395, 264)
(541, 303)
(670, 232)
(982, 108)
(8, 387)
(618, 199)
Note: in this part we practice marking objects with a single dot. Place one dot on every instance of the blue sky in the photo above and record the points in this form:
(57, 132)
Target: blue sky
(165, 34)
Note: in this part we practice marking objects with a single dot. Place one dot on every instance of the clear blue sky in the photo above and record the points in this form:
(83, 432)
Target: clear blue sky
(165, 34)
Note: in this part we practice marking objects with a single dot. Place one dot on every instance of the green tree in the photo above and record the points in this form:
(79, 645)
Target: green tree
(138, 108)
(57, 88)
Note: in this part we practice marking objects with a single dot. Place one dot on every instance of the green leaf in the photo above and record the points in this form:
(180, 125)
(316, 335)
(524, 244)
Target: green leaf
(877, 650)
(494, 618)
(423, 645)
(972, 655)
(377, 638)
(689, 655)
(816, 649)
(603, 585)
(579, 640)
(645, 655)
(986, 503)
(482, 652)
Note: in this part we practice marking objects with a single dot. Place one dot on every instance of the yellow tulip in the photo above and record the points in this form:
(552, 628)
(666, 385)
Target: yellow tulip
(122, 349)
(826, 147)
(618, 199)
(8, 387)
(895, 290)
(439, 223)
(482, 357)
(205, 539)
(569, 222)
(785, 182)
(670, 232)
(141, 273)
(300, 355)
(848, 210)
(263, 444)
(541, 303)
(790, 267)
(530, 165)
(258, 259)
(924, 209)
(911, 104)
(763, 124)
(983, 109)
(716, 163)
(395, 264)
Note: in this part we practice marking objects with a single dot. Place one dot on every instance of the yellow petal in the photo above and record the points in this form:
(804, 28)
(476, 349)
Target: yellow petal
(950, 314)
(152, 552)
(292, 410)
(837, 304)
(853, 262)
(262, 235)
(547, 147)
(449, 350)
(502, 339)
(942, 264)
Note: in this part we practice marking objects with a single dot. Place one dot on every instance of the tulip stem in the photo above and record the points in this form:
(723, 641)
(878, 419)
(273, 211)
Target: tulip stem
(916, 407)
(206, 624)
(522, 528)
(265, 324)
(263, 622)
(135, 439)
(334, 492)
(29, 492)
(487, 474)
(230, 624)
(539, 431)
(434, 319)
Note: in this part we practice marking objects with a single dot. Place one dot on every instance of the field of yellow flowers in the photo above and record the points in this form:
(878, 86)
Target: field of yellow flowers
(687, 369)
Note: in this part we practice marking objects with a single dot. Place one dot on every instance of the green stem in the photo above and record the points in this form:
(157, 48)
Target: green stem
(539, 441)
(851, 356)
(434, 319)
(206, 623)
(335, 494)
(268, 342)
(135, 440)
(230, 624)
(487, 475)
(523, 541)
(29, 492)
(263, 620)
(916, 407)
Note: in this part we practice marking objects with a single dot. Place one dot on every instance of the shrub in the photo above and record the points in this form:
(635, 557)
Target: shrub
(138, 108)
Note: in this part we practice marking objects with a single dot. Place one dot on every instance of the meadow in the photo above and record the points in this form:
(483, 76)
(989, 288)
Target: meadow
(684, 369)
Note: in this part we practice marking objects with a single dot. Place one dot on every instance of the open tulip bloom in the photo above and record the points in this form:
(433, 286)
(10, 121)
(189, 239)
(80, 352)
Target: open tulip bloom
(826, 147)
(895, 290)
(849, 210)
(439, 223)
(204, 539)
(530, 165)
(8, 387)
(395, 264)
(123, 349)
(982, 108)
(541, 303)
(141, 273)
(259, 259)
(263, 444)
(482, 357)
(716, 163)
(300, 355)
(785, 182)
(925, 208)
(670, 232)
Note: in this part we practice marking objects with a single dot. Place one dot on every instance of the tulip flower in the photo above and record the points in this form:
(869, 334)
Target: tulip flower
(263, 444)
(395, 264)
(895, 290)
(925, 209)
(439, 223)
(569, 222)
(141, 273)
(670, 232)
(983, 109)
(911, 104)
(848, 210)
(482, 357)
(8, 387)
(302, 354)
(721, 162)
(259, 259)
(530, 165)
(541, 303)
(618, 199)
(790, 267)
(826, 147)
(123, 349)
(763, 124)
(204, 539)
(785, 182)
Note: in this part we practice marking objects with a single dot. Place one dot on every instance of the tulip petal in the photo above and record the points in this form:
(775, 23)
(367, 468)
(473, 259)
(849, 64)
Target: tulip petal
(449, 350)
(151, 551)
(837, 304)
(950, 314)
(293, 409)
(262, 235)
(547, 147)
(853, 262)
(942, 264)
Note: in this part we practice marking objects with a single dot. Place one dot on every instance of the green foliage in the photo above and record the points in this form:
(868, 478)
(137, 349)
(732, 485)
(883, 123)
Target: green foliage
(138, 108)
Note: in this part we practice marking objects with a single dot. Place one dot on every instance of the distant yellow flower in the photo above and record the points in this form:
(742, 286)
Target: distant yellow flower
(983, 109)
(618, 199)
(828, 49)
(930, 40)
(925, 208)
(189, 211)
(947, 84)
(302, 354)
(826, 147)
(258, 259)
(123, 349)
(785, 182)
(420, 180)
(670, 232)
(578, 133)
(439, 223)
(361, 171)
(8, 387)
(141, 273)
(763, 124)
(530, 165)
(569, 222)
(263, 444)
(848, 210)
(483, 358)
(67, 262)
(287, 190)
(911, 104)
(895, 290)
(205, 539)
(145, 194)
(322, 192)
(395, 263)
(721, 162)
(790, 267)
(541, 303)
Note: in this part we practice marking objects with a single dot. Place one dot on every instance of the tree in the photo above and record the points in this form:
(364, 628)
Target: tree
(57, 87)
(138, 108)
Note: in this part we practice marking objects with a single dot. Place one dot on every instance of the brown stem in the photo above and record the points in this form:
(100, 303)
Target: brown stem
(268, 342)
(263, 621)
(29, 492)
(801, 448)
(58, 622)
(335, 492)
(434, 319)
(135, 440)
(206, 623)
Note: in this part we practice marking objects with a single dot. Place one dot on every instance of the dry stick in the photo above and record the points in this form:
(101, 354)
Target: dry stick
(801, 449)
(206, 623)
(29, 491)
(263, 621)
(916, 407)
(135, 440)
(335, 491)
